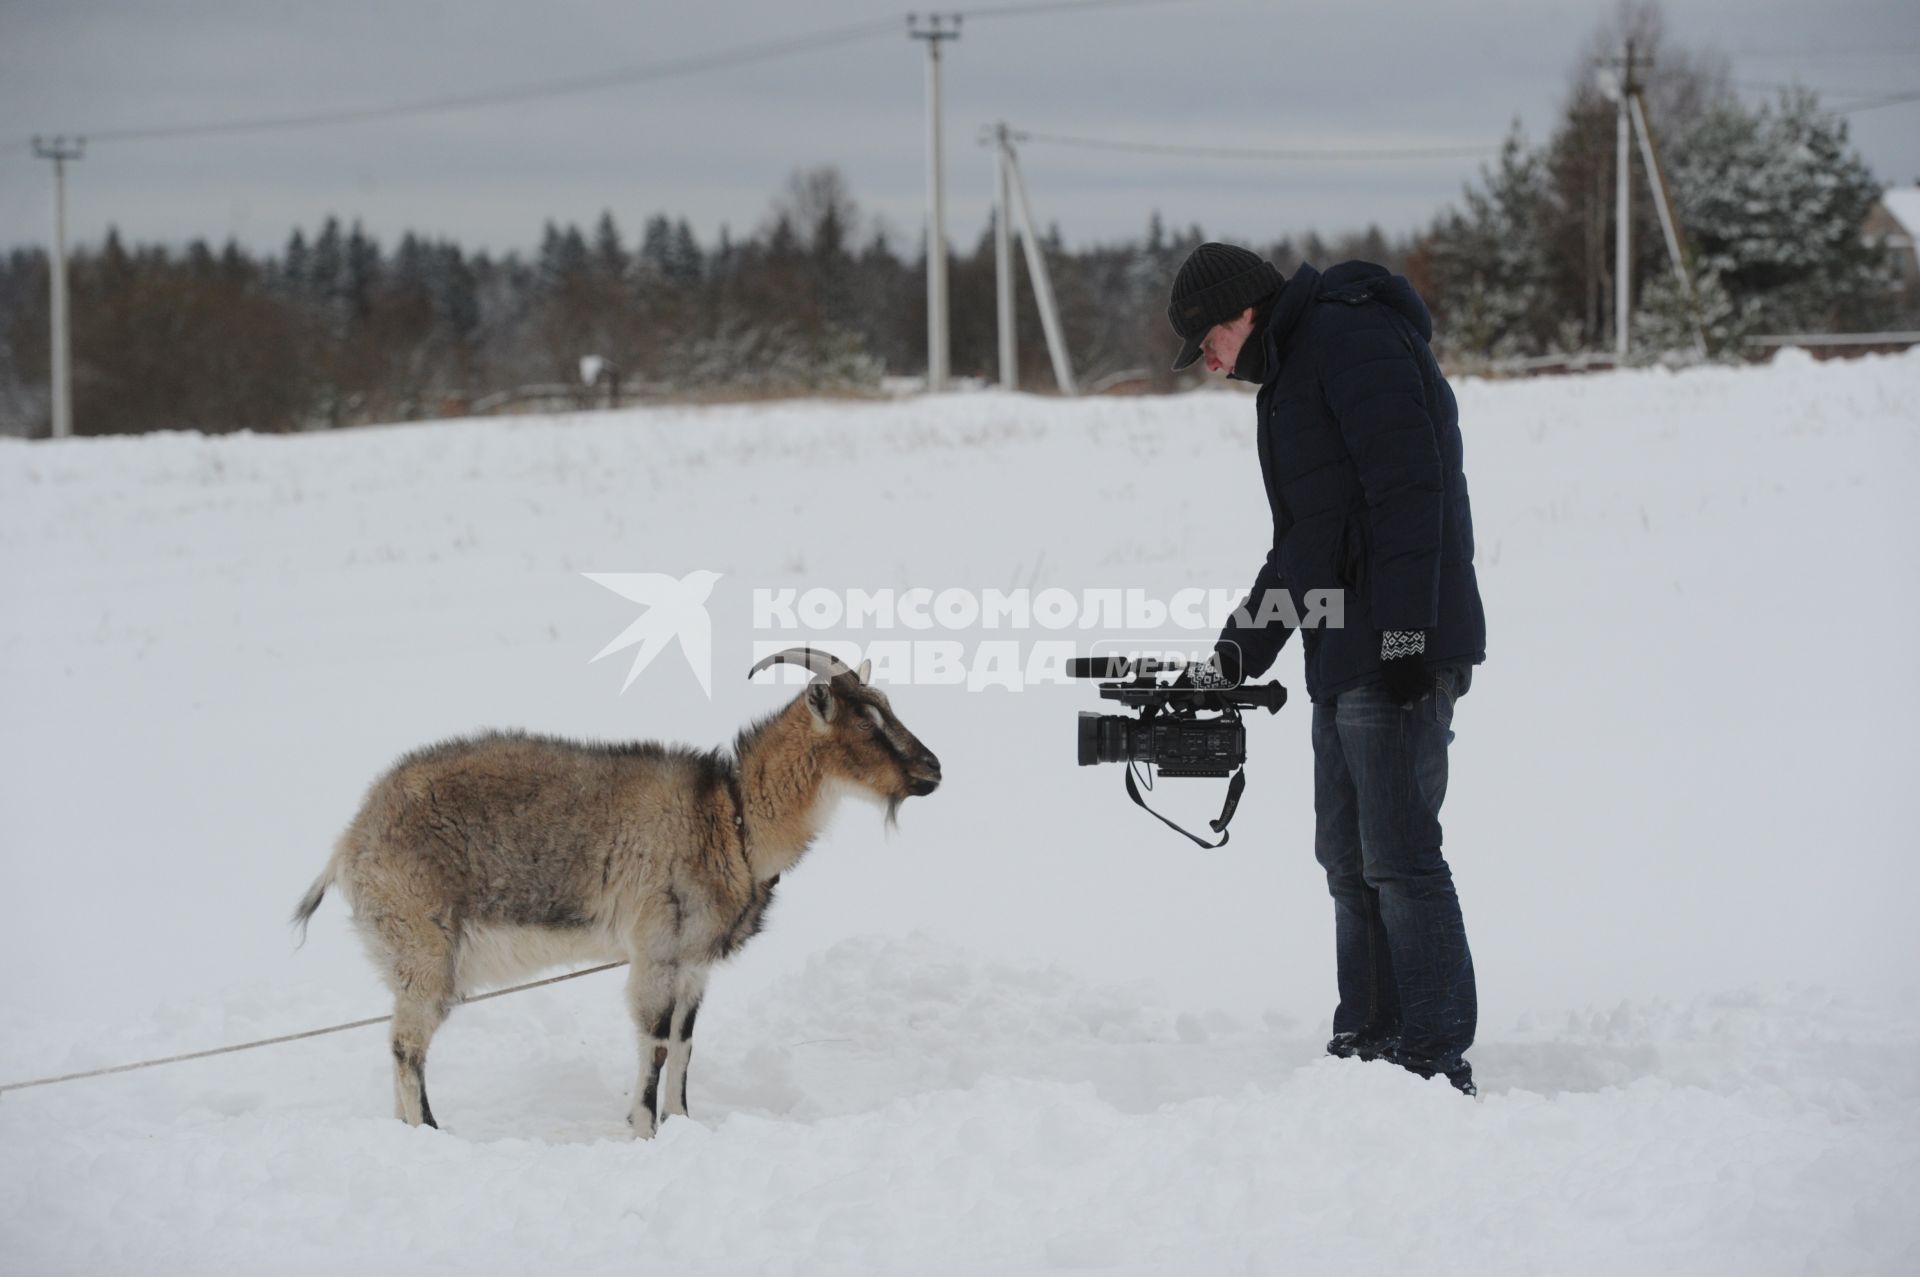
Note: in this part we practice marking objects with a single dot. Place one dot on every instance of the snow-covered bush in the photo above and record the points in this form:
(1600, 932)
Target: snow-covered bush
(1664, 324)
(737, 356)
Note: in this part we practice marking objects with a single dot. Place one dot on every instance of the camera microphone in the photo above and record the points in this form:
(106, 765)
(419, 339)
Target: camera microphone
(1117, 666)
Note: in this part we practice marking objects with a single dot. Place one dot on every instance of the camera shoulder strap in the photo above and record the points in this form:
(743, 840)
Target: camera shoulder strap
(1235, 788)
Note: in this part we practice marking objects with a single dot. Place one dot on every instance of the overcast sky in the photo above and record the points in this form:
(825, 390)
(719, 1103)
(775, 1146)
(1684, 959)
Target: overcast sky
(715, 146)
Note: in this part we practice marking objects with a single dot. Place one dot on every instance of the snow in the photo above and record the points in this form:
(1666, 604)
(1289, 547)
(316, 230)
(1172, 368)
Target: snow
(1904, 203)
(1030, 1030)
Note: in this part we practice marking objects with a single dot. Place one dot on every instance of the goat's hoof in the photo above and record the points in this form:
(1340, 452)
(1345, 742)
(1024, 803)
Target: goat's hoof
(643, 1125)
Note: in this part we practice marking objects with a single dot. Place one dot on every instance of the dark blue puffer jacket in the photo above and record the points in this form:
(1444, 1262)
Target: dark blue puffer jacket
(1360, 450)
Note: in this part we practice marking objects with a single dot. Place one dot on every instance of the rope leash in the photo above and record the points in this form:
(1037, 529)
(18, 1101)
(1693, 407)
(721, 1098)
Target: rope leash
(292, 1037)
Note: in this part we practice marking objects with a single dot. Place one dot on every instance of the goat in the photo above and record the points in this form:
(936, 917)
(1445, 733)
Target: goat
(478, 860)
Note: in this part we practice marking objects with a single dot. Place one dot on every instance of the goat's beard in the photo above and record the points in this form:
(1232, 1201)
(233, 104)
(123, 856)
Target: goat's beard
(888, 802)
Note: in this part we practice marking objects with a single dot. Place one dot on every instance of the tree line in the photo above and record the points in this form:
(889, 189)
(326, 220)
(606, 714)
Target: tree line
(337, 329)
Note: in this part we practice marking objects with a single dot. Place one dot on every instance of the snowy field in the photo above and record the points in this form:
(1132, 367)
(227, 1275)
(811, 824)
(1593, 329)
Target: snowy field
(1031, 1029)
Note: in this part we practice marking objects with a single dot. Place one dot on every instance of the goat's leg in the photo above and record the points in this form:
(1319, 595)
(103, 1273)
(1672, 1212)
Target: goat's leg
(686, 1005)
(650, 988)
(423, 995)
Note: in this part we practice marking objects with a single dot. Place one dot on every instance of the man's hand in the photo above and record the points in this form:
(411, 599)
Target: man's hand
(1403, 665)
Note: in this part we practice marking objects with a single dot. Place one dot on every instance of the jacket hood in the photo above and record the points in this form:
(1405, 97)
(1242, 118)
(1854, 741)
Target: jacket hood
(1296, 295)
(1353, 280)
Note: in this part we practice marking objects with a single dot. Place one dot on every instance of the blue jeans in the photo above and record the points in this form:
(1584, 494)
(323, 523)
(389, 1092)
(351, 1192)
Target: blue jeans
(1379, 777)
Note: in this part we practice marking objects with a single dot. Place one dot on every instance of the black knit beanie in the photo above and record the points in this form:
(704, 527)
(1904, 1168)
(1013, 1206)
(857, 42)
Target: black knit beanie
(1215, 283)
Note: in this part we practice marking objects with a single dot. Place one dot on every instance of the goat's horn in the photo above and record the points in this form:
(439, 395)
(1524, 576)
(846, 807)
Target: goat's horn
(824, 664)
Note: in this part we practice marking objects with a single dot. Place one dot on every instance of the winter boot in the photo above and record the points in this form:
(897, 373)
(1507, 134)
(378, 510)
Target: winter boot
(1456, 1071)
(1367, 1044)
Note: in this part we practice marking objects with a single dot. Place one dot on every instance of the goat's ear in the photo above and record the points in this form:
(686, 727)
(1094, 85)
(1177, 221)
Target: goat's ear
(820, 701)
(865, 672)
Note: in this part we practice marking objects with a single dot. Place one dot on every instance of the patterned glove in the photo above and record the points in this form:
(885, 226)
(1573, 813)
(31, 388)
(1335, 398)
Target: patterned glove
(1403, 665)
(1222, 669)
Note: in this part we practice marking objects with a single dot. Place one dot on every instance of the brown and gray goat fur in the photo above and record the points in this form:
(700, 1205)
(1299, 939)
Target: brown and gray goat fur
(477, 861)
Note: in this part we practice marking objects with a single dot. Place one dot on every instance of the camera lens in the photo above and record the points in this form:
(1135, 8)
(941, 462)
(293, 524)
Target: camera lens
(1108, 738)
(1089, 738)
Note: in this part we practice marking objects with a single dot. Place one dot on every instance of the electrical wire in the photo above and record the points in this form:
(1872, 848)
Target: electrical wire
(1890, 52)
(1894, 99)
(1860, 99)
(1788, 86)
(1765, 86)
(1040, 8)
(1260, 153)
(741, 55)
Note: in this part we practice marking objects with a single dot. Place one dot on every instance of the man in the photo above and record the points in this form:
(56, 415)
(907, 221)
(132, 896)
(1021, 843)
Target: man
(1359, 442)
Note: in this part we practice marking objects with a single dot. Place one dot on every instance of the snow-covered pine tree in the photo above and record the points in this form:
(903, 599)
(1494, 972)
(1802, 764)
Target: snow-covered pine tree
(1487, 262)
(684, 264)
(609, 255)
(291, 275)
(1773, 201)
(656, 248)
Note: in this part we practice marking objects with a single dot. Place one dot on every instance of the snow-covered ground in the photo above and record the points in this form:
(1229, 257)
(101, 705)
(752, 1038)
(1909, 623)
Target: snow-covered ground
(1031, 1029)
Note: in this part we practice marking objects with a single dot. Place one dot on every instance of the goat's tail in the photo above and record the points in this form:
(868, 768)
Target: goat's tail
(310, 902)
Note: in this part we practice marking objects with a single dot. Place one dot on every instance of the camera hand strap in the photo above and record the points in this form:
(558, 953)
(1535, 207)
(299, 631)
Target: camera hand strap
(1234, 789)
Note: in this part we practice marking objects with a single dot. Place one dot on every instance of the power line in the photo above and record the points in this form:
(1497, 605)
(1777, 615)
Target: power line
(1862, 99)
(1039, 8)
(1894, 52)
(1891, 100)
(1789, 86)
(1260, 153)
(740, 55)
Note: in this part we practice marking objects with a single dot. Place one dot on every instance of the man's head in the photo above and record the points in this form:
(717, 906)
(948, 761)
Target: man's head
(1215, 295)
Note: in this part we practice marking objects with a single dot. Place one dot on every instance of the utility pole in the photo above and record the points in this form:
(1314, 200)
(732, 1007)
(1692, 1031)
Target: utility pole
(936, 30)
(1623, 210)
(1037, 270)
(1003, 260)
(1623, 85)
(60, 150)
(1669, 220)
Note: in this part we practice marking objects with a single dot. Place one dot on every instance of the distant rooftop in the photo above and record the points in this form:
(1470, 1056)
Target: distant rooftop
(1904, 203)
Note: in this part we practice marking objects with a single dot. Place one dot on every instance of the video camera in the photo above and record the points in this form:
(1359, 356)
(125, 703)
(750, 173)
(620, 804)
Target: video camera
(1180, 730)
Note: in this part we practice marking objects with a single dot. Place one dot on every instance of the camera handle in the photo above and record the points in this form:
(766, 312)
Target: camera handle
(1235, 787)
